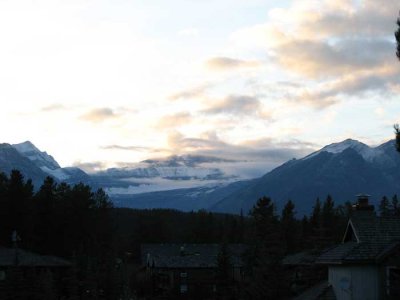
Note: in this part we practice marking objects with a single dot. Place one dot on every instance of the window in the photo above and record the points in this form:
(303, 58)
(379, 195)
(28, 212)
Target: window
(183, 275)
(2, 275)
(184, 288)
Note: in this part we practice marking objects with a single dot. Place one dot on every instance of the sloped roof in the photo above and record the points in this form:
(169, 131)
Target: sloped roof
(305, 258)
(192, 256)
(320, 291)
(374, 236)
(370, 228)
(9, 256)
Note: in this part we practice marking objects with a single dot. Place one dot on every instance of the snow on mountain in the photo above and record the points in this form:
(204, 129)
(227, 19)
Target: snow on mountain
(368, 153)
(175, 167)
(41, 159)
(341, 170)
(180, 172)
(57, 173)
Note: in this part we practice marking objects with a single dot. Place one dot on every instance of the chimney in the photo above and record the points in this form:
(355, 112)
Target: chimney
(362, 203)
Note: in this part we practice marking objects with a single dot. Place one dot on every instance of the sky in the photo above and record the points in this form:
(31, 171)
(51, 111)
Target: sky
(100, 83)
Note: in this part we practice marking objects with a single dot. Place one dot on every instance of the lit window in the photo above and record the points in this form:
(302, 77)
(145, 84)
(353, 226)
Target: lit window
(2, 275)
(183, 275)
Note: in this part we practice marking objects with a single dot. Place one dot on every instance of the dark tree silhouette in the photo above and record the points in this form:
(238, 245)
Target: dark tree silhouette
(397, 132)
(224, 268)
(397, 35)
(396, 126)
(289, 227)
(384, 206)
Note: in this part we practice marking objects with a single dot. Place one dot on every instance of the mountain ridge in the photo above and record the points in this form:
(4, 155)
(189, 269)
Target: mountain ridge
(340, 169)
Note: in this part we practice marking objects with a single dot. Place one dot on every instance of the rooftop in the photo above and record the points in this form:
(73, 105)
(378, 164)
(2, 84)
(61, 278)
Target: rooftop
(367, 238)
(188, 255)
(9, 257)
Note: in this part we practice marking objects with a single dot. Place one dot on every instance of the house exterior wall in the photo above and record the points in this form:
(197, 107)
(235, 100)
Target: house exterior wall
(356, 282)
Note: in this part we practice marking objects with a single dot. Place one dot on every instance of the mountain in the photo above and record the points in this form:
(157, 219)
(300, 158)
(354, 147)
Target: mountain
(342, 170)
(190, 199)
(191, 182)
(37, 165)
(11, 159)
(189, 171)
(184, 167)
(39, 158)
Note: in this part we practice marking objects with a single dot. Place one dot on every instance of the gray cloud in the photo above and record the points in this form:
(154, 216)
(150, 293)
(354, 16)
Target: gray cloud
(99, 115)
(371, 18)
(90, 167)
(236, 105)
(226, 63)
(127, 148)
(319, 59)
(195, 92)
(350, 86)
(344, 48)
(262, 149)
(174, 120)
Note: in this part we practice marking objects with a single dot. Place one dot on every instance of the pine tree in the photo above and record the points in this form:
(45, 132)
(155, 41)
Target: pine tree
(46, 221)
(289, 228)
(305, 232)
(19, 206)
(397, 134)
(395, 205)
(384, 206)
(266, 254)
(224, 265)
(328, 213)
(315, 219)
(397, 35)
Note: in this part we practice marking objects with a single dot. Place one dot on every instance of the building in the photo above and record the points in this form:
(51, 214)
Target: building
(366, 265)
(21, 272)
(189, 270)
(302, 272)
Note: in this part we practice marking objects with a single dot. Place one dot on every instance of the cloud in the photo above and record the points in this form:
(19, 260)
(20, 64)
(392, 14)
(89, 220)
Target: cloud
(127, 148)
(178, 143)
(351, 18)
(226, 63)
(259, 155)
(320, 59)
(239, 105)
(359, 85)
(99, 115)
(175, 120)
(338, 48)
(194, 92)
(53, 107)
(90, 167)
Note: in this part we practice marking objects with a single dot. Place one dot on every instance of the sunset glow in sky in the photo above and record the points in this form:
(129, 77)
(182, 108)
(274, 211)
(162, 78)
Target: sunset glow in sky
(107, 83)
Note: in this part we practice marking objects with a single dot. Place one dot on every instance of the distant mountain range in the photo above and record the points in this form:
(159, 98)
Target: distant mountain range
(341, 169)
(196, 182)
(149, 175)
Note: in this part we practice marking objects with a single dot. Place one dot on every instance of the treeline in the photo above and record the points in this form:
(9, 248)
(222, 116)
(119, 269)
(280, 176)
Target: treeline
(72, 222)
(57, 219)
(269, 234)
(389, 207)
(323, 227)
(272, 236)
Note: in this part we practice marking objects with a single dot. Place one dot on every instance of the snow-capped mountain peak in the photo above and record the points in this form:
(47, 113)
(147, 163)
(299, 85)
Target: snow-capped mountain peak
(41, 159)
(367, 152)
